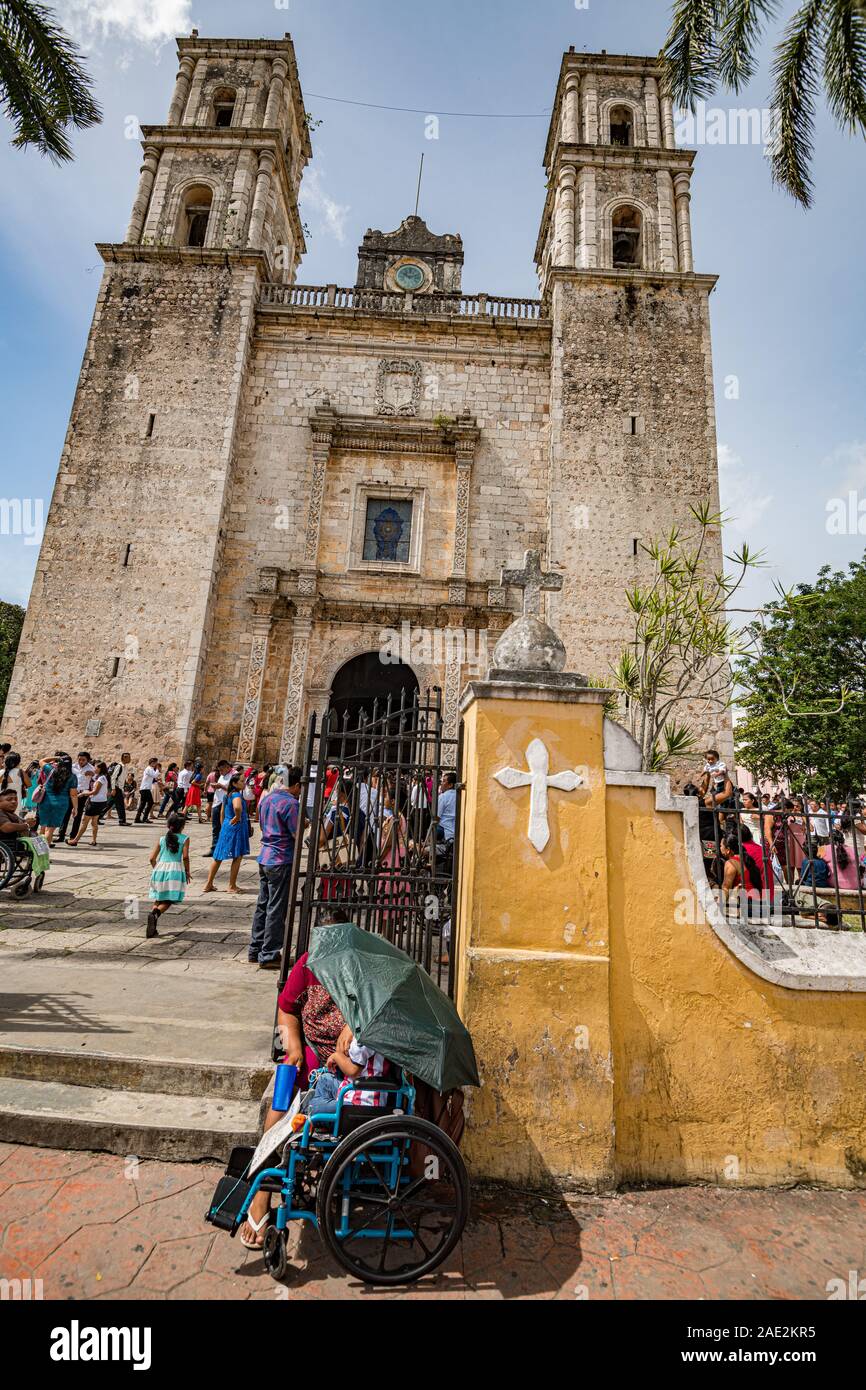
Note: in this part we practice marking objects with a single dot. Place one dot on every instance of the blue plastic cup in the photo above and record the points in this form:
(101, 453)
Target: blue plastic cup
(284, 1086)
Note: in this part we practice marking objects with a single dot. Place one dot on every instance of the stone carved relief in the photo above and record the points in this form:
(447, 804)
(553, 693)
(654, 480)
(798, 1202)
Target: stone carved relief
(451, 712)
(461, 523)
(294, 697)
(322, 427)
(253, 698)
(398, 387)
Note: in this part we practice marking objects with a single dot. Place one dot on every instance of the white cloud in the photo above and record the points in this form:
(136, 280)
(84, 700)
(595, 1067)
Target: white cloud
(143, 21)
(331, 213)
(742, 504)
(847, 466)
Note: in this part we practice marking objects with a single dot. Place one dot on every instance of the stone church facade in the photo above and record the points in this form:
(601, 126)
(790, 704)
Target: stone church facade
(268, 478)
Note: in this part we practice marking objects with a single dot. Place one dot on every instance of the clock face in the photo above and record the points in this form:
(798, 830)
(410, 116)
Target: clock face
(410, 277)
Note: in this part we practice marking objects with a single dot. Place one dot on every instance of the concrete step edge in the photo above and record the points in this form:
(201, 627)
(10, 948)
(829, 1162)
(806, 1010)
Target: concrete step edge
(227, 1081)
(162, 1132)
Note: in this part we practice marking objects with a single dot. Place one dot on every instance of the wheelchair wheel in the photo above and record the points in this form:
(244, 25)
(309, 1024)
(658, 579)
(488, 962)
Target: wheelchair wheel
(38, 882)
(275, 1254)
(393, 1200)
(7, 864)
(22, 889)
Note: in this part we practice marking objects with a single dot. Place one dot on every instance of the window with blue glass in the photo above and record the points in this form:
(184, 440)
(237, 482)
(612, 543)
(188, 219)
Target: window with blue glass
(388, 531)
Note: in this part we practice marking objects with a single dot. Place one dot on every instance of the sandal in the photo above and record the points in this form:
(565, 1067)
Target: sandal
(255, 1226)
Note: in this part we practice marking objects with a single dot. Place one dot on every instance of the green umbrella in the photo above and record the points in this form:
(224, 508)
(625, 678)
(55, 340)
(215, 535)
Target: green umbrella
(393, 1006)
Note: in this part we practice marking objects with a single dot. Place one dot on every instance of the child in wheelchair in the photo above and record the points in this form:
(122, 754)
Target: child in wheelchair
(21, 856)
(11, 824)
(332, 1080)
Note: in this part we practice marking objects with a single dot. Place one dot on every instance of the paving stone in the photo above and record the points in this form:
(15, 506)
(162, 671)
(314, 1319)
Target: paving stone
(91, 1262)
(154, 1181)
(172, 1262)
(639, 1278)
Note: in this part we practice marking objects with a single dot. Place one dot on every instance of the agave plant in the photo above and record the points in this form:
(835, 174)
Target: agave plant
(44, 86)
(823, 45)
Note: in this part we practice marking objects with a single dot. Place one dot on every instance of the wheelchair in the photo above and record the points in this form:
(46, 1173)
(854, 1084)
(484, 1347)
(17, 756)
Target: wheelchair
(16, 868)
(388, 1192)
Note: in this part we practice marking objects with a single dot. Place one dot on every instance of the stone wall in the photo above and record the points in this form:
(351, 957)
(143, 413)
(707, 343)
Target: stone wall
(168, 341)
(623, 347)
(499, 376)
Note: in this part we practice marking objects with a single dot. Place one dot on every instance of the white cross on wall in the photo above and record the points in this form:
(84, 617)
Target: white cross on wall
(538, 779)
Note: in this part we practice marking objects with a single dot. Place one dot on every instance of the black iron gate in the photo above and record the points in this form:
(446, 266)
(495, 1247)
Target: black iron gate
(377, 842)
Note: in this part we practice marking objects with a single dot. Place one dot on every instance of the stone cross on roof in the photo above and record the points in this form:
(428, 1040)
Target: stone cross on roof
(533, 582)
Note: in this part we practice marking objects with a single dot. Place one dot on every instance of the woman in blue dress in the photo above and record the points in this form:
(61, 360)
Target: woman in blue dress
(233, 841)
(61, 791)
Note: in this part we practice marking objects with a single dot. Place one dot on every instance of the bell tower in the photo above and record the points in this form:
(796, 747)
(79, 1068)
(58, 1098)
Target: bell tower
(619, 189)
(144, 487)
(632, 432)
(224, 172)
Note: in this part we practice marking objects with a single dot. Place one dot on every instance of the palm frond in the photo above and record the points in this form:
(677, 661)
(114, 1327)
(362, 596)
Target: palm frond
(741, 29)
(44, 85)
(795, 75)
(845, 63)
(690, 51)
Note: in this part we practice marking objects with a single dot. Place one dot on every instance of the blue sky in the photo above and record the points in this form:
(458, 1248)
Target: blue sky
(788, 317)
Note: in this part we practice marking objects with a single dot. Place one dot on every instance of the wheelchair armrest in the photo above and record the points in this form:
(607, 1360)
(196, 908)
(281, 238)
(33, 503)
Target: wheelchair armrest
(375, 1083)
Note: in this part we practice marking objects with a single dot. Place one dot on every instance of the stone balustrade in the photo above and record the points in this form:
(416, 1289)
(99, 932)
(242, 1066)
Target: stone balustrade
(333, 297)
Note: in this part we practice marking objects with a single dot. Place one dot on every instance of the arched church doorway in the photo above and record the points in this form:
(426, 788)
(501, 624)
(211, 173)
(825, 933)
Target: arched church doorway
(360, 694)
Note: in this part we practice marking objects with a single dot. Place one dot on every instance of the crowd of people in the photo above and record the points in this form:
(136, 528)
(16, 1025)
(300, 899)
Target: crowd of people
(768, 844)
(369, 825)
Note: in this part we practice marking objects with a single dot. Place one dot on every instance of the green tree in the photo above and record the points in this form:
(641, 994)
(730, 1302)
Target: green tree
(44, 85)
(682, 640)
(11, 620)
(823, 45)
(803, 686)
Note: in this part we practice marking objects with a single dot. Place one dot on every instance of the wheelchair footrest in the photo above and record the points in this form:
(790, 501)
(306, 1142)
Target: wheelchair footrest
(227, 1203)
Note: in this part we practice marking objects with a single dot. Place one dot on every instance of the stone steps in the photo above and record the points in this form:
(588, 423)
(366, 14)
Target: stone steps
(173, 1111)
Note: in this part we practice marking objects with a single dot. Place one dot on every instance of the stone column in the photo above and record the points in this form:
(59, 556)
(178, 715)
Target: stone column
(668, 259)
(566, 235)
(682, 186)
(260, 199)
(653, 113)
(181, 91)
(588, 226)
(292, 713)
(670, 142)
(571, 110)
(142, 197)
(273, 110)
(262, 624)
(590, 109)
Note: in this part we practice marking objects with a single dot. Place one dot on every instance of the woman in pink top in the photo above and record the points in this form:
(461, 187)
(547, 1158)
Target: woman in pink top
(843, 855)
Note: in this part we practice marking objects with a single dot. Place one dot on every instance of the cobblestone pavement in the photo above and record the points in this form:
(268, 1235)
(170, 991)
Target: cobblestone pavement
(94, 1226)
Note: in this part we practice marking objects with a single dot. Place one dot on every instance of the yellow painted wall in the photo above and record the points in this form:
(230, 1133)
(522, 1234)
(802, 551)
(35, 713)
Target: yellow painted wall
(614, 1045)
(716, 1070)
